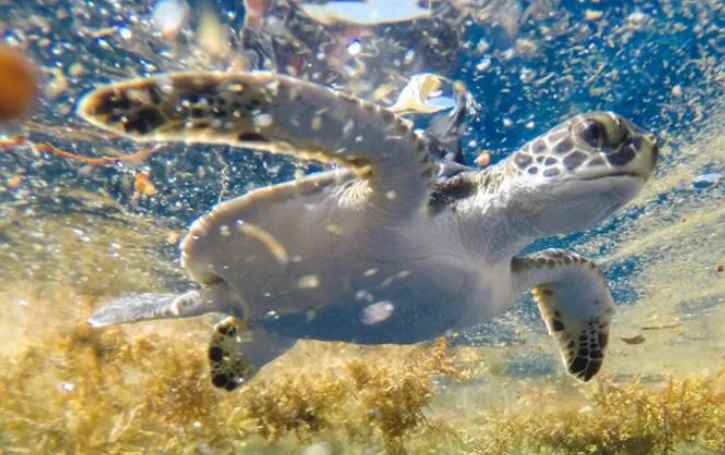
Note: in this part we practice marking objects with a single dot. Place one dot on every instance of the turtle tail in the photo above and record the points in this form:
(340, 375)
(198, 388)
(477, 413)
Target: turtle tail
(148, 306)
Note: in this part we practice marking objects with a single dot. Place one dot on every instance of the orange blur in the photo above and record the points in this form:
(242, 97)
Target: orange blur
(18, 84)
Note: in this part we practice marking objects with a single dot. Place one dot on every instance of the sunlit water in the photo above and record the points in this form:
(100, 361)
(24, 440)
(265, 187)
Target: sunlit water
(73, 233)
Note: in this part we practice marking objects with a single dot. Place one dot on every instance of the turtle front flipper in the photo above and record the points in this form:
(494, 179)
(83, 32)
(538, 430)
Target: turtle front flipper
(278, 114)
(149, 306)
(237, 351)
(575, 303)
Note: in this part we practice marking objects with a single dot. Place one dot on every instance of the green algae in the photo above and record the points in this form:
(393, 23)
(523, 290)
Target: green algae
(116, 391)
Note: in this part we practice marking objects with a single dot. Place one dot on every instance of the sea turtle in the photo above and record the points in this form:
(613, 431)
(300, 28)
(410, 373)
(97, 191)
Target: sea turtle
(380, 249)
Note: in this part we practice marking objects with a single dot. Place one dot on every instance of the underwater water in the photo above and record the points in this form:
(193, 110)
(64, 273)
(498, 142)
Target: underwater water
(86, 215)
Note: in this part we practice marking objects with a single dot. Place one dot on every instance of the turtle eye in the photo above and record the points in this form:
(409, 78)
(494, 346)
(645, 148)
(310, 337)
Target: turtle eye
(593, 133)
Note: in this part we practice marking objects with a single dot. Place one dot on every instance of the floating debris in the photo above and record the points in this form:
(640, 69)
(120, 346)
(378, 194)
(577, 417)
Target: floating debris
(484, 64)
(173, 237)
(142, 185)
(213, 36)
(636, 339)
(57, 85)
(672, 325)
(593, 15)
(170, 16)
(133, 159)
(309, 282)
(706, 180)
(483, 159)
(14, 181)
(637, 20)
(8, 143)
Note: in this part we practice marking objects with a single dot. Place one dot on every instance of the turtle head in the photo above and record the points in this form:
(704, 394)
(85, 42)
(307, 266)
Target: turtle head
(580, 172)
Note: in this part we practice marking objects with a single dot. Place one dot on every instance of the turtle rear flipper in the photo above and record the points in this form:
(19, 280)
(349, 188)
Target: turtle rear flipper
(574, 302)
(148, 306)
(277, 114)
(237, 351)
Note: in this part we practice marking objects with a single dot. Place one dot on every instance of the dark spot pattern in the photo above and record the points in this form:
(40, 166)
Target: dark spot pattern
(446, 193)
(227, 330)
(104, 105)
(251, 104)
(154, 93)
(228, 365)
(585, 368)
(578, 365)
(603, 339)
(563, 146)
(539, 147)
(584, 359)
(216, 354)
(122, 102)
(522, 160)
(557, 326)
(220, 380)
(574, 160)
(144, 121)
(201, 87)
(200, 125)
(553, 172)
(622, 156)
(357, 162)
(533, 170)
(251, 137)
